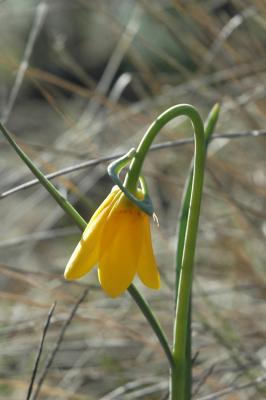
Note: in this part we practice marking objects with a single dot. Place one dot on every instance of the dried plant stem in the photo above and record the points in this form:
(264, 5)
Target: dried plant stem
(58, 342)
(39, 353)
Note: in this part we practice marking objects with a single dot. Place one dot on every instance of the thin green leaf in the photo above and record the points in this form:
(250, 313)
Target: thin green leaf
(67, 207)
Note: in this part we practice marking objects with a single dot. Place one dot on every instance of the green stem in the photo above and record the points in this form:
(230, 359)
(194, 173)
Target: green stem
(145, 308)
(81, 223)
(178, 371)
(64, 204)
(186, 271)
(182, 219)
(182, 222)
(144, 146)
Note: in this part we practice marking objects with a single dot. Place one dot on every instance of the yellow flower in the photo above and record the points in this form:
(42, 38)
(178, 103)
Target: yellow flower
(118, 239)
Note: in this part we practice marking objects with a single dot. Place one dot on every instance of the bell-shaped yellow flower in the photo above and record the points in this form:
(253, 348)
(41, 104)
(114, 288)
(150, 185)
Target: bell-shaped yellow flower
(118, 239)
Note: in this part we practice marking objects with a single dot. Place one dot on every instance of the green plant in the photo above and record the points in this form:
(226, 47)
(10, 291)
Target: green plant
(179, 356)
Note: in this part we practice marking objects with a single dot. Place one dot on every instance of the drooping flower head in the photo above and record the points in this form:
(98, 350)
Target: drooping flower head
(118, 239)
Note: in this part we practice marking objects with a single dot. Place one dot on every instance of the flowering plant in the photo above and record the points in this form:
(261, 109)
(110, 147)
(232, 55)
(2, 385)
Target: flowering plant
(118, 238)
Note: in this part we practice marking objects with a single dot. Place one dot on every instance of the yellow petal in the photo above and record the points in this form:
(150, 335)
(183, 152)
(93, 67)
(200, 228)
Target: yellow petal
(147, 267)
(115, 209)
(86, 254)
(81, 262)
(107, 202)
(119, 256)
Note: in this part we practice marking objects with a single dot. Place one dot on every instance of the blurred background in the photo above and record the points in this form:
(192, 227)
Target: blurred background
(80, 81)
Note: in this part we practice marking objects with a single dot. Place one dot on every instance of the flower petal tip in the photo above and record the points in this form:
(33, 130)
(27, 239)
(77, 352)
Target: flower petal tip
(113, 293)
(68, 276)
(155, 285)
(72, 274)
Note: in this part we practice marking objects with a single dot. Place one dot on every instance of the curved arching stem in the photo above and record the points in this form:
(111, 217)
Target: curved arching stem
(178, 377)
(209, 127)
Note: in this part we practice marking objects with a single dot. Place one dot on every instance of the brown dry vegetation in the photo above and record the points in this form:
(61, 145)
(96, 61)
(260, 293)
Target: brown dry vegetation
(98, 73)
